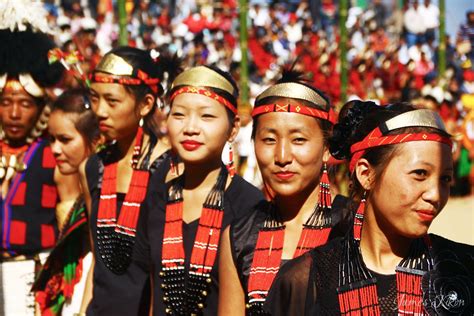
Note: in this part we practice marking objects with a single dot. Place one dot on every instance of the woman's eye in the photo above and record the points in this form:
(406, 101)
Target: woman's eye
(299, 140)
(447, 179)
(420, 173)
(208, 116)
(268, 140)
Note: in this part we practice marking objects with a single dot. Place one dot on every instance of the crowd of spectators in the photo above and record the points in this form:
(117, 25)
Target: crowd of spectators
(392, 51)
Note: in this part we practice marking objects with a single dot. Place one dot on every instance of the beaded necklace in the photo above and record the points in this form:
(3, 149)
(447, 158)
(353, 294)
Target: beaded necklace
(357, 291)
(115, 238)
(269, 247)
(181, 298)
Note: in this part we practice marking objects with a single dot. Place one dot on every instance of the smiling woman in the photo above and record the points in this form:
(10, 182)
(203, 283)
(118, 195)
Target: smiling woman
(292, 123)
(401, 167)
(185, 217)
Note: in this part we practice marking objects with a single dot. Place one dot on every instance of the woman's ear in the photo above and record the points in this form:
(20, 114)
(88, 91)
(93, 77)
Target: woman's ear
(364, 173)
(147, 104)
(234, 129)
(326, 155)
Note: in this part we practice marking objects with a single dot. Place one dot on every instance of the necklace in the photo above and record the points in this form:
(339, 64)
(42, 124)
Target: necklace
(116, 237)
(269, 247)
(181, 298)
(357, 291)
(10, 161)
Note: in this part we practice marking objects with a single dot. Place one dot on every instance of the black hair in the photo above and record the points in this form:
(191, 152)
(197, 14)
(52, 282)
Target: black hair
(293, 76)
(356, 120)
(27, 52)
(77, 101)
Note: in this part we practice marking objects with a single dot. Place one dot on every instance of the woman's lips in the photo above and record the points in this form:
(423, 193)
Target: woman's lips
(284, 175)
(103, 127)
(426, 215)
(191, 145)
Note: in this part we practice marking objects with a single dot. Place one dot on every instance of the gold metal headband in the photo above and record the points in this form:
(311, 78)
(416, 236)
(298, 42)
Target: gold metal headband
(114, 65)
(203, 77)
(416, 118)
(295, 91)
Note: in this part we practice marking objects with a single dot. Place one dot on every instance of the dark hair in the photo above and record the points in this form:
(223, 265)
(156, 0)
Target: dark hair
(356, 120)
(77, 101)
(141, 59)
(297, 77)
(27, 52)
(232, 98)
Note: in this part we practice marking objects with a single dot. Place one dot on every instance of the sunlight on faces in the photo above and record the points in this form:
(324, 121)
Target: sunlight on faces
(19, 113)
(68, 145)
(116, 110)
(417, 179)
(201, 120)
(293, 143)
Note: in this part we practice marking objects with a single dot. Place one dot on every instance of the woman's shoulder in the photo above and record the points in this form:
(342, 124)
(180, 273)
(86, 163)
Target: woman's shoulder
(242, 197)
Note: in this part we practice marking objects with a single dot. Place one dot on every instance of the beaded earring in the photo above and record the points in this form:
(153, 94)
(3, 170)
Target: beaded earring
(359, 217)
(230, 163)
(324, 189)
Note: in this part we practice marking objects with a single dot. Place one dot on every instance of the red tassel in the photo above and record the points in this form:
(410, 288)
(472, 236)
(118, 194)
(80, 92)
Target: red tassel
(325, 199)
(311, 237)
(359, 219)
(359, 301)
(409, 293)
(230, 165)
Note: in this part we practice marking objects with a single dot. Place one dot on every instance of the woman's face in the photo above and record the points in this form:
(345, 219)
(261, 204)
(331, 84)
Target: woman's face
(290, 150)
(116, 110)
(413, 189)
(68, 145)
(198, 128)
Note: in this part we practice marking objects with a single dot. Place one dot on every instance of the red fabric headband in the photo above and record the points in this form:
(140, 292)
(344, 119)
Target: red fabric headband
(295, 108)
(142, 78)
(207, 93)
(376, 139)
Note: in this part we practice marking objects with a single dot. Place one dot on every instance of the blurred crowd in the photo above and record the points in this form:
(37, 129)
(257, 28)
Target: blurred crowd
(392, 51)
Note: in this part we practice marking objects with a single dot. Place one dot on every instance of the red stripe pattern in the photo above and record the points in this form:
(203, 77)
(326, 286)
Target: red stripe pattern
(376, 139)
(116, 237)
(295, 108)
(142, 78)
(190, 300)
(207, 93)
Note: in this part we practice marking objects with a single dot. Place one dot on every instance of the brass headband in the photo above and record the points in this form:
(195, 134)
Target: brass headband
(114, 65)
(295, 91)
(203, 77)
(416, 118)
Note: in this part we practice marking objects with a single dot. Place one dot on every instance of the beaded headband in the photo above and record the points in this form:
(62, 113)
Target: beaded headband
(416, 118)
(197, 80)
(114, 69)
(298, 91)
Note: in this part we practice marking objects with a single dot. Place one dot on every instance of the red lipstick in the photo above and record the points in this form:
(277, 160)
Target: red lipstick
(191, 145)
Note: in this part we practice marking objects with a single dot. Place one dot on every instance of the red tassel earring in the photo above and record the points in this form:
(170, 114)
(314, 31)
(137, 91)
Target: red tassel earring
(174, 168)
(324, 189)
(230, 163)
(359, 217)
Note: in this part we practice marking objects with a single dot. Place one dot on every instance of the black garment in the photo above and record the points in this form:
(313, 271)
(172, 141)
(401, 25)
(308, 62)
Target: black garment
(307, 285)
(244, 234)
(240, 198)
(28, 211)
(128, 293)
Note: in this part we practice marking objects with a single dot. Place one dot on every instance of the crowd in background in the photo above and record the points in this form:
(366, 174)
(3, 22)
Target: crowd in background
(392, 52)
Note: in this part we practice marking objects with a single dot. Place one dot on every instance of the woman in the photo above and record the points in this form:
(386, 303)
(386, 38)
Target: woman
(124, 92)
(292, 123)
(401, 169)
(185, 217)
(74, 133)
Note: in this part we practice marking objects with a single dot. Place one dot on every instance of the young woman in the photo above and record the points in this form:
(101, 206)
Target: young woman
(401, 168)
(124, 92)
(185, 217)
(74, 133)
(292, 123)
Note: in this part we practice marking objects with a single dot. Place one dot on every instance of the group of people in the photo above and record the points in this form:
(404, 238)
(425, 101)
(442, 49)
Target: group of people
(116, 201)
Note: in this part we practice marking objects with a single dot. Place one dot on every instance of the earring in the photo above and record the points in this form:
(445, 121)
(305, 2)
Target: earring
(324, 190)
(174, 169)
(230, 164)
(359, 217)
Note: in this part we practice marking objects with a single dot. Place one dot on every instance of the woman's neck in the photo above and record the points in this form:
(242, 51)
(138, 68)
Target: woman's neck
(126, 145)
(298, 207)
(382, 249)
(201, 175)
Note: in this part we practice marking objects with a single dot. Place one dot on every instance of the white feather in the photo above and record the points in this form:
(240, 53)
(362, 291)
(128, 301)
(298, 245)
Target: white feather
(19, 14)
